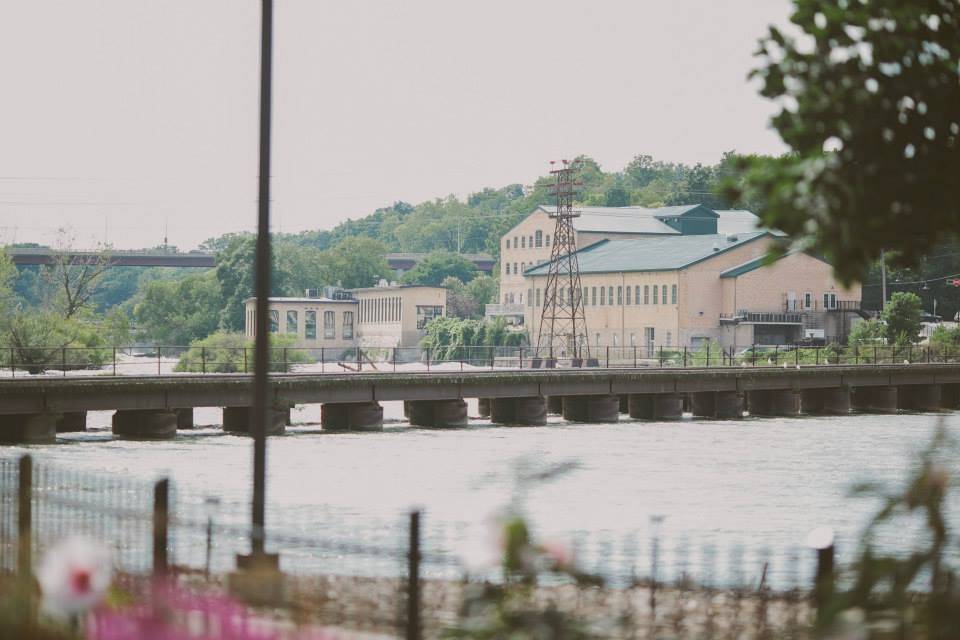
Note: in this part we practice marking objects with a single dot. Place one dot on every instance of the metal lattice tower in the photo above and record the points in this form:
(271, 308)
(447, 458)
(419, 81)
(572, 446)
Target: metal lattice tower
(563, 325)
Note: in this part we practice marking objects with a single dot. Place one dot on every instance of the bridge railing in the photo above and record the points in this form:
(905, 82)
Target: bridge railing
(172, 360)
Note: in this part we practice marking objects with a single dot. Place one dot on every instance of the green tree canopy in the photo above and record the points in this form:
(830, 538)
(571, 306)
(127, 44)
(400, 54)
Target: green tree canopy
(870, 107)
(438, 265)
(902, 316)
(177, 312)
(354, 262)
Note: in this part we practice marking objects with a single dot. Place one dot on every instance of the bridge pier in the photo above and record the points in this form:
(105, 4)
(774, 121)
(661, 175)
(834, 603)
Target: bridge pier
(591, 408)
(723, 405)
(72, 421)
(625, 403)
(28, 428)
(352, 416)
(825, 402)
(875, 399)
(656, 406)
(145, 424)
(239, 419)
(438, 413)
(483, 407)
(774, 403)
(950, 396)
(555, 405)
(920, 397)
(530, 411)
(184, 418)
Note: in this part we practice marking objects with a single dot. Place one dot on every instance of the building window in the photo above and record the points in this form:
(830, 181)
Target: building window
(807, 300)
(538, 298)
(669, 338)
(598, 340)
(531, 242)
(593, 296)
(310, 325)
(646, 294)
(274, 321)
(628, 296)
(523, 267)
(547, 240)
(506, 244)
(636, 295)
(584, 300)
(539, 238)
(507, 266)
(673, 294)
(427, 313)
(329, 325)
(656, 294)
(610, 295)
(292, 322)
(663, 292)
(529, 297)
(633, 339)
(615, 341)
(348, 325)
(603, 296)
(523, 242)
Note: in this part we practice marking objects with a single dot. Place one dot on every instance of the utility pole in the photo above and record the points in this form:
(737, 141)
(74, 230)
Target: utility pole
(563, 325)
(883, 280)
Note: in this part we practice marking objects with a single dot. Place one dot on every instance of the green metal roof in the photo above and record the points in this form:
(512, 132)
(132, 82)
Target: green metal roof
(761, 261)
(653, 253)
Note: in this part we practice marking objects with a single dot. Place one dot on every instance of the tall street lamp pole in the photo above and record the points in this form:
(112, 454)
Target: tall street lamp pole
(262, 291)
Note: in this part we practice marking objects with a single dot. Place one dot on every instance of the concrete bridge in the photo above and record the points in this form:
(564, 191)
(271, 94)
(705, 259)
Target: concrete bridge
(35, 409)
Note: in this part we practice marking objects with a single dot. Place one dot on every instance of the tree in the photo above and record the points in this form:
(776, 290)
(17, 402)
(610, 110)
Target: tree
(355, 262)
(870, 107)
(75, 279)
(438, 265)
(902, 317)
(177, 312)
(8, 277)
(867, 332)
(483, 290)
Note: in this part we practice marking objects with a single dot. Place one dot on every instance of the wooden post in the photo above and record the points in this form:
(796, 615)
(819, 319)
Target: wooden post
(413, 579)
(25, 517)
(161, 520)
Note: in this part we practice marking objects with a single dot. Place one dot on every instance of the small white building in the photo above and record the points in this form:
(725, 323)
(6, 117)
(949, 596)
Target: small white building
(385, 316)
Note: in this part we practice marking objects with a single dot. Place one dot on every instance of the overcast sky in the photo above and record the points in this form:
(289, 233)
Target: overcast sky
(121, 117)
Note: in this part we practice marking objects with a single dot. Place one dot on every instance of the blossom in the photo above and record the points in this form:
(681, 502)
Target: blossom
(558, 553)
(74, 576)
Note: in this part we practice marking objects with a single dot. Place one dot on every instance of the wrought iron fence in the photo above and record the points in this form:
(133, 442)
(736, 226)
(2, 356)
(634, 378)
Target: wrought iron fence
(405, 578)
(172, 360)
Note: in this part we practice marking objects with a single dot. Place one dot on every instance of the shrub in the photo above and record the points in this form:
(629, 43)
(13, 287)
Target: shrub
(225, 352)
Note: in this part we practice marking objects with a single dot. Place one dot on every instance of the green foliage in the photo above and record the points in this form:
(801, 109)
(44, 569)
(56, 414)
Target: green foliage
(870, 107)
(354, 263)
(8, 278)
(902, 317)
(483, 290)
(177, 312)
(449, 338)
(224, 352)
(435, 267)
(866, 333)
(909, 592)
(41, 340)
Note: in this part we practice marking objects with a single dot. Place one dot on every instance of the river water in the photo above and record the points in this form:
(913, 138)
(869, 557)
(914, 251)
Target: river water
(761, 483)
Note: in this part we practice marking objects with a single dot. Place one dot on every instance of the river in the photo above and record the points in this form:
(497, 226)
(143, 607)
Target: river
(761, 483)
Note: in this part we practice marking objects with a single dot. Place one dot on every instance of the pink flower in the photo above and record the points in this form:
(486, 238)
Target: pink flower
(558, 553)
(74, 576)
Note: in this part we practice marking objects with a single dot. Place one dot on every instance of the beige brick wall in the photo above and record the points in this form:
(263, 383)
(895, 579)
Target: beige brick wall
(767, 288)
(301, 309)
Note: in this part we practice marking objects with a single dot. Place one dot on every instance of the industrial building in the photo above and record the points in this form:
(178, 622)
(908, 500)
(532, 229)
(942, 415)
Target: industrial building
(677, 276)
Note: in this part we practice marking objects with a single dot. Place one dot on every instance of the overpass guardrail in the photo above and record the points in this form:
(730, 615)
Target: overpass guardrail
(165, 360)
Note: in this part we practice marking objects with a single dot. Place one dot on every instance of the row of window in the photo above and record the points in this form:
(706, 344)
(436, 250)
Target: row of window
(310, 324)
(380, 310)
(634, 295)
(538, 239)
(519, 270)
(829, 301)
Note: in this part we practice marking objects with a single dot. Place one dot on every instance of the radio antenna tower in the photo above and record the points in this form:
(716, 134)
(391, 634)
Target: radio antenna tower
(563, 325)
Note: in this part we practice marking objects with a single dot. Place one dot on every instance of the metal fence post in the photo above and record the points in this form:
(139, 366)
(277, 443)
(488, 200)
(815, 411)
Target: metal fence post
(521, 357)
(245, 359)
(63, 359)
(25, 517)
(158, 359)
(413, 579)
(203, 359)
(661, 356)
(114, 361)
(161, 520)
(608, 356)
(428, 358)
(286, 367)
(634, 356)
(684, 357)
(13, 367)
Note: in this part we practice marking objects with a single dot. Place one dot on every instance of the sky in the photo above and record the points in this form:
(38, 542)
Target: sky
(125, 120)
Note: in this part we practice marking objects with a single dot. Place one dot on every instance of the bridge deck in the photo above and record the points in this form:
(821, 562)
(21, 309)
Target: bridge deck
(43, 394)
